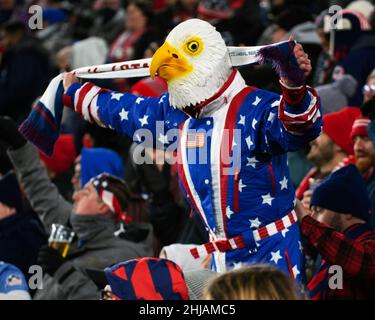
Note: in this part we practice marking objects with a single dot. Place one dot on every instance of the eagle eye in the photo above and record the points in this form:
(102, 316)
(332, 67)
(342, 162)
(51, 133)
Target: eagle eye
(193, 46)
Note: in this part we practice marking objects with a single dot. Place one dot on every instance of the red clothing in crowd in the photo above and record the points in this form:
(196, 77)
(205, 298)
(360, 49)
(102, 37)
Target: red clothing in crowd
(354, 251)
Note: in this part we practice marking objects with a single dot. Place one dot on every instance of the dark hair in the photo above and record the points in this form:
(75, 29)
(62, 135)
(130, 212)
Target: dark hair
(292, 17)
(145, 7)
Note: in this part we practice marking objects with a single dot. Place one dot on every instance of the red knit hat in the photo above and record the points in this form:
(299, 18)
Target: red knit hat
(359, 127)
(64, 154)
(338, 126)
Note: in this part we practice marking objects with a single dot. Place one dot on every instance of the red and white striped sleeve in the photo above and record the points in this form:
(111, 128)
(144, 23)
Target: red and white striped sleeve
(299, 108)
(83, 100)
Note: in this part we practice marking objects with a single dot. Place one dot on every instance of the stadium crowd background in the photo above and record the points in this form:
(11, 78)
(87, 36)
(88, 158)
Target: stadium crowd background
(81, 33)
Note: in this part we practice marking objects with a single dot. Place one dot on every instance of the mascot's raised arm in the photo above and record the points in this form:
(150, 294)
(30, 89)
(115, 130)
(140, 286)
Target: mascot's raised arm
(240, 187)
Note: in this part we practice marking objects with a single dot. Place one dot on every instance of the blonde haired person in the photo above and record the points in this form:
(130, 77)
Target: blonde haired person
(258, 282)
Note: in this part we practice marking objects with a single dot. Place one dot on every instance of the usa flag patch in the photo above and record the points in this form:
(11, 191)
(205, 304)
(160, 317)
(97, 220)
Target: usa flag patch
(195, 140)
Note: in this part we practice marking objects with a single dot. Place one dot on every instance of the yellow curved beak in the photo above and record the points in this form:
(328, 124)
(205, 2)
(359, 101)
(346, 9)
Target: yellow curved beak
(168, 63)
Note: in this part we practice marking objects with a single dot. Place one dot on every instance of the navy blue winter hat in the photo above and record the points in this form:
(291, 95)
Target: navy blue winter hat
(10, 193)
(343, 191)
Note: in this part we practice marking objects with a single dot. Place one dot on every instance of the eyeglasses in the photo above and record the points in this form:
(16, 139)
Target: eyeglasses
(369, 88)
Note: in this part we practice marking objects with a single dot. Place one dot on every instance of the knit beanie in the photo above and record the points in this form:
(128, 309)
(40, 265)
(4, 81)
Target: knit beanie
(335, 96)
(147, 279)
(359, 127)
(338, 126)
(13, 285)
(361, 6)
(343, 191)
(98, 160)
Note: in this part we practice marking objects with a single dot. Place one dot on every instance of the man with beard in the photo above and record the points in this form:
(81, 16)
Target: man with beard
(364, 154)
(338, 229)
(331, 149)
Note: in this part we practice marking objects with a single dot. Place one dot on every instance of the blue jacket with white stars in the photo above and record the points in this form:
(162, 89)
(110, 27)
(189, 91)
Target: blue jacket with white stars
(232, 161)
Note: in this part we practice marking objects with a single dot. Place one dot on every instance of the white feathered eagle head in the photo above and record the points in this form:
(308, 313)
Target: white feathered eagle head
(194, 60)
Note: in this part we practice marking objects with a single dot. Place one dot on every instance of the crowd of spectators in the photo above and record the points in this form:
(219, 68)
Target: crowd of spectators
(334, 175)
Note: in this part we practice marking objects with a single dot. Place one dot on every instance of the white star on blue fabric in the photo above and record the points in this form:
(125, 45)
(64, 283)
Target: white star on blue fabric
(256, 101)
(275, 103)
(116, 96)
(242, 120)
(271, 116)
(267, 199)
(241, 185)
(249, 142)
(123, 114)
(284, 231)
(284, 183)
(295, 271)
(253, 124)
(275, 256)
(139, 100)
(255, 223)
(161, 100)
(143, 120)
(251, 162)
(163, 138)
(228, 212)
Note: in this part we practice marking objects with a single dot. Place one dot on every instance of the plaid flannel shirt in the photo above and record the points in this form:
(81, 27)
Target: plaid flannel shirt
(355, 256)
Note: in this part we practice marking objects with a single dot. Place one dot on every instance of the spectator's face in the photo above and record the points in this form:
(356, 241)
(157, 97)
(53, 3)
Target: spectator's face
(322, 150)
(76, 179)
(364, 153)
(135, 19)
(6, 211)
(87, 201)
(328, 217)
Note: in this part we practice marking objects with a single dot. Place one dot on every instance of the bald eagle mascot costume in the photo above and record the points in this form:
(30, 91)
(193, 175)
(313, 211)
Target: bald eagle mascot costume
(231, 140)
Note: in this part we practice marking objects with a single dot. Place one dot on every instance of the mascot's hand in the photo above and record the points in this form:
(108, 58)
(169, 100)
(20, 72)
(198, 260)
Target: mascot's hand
(303, 62)
(69, 79)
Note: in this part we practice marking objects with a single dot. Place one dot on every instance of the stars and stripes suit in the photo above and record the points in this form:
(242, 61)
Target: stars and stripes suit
(232, 161)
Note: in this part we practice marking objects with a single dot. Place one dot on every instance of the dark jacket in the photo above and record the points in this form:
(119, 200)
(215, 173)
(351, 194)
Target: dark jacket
(21, 237)
(24, 74)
